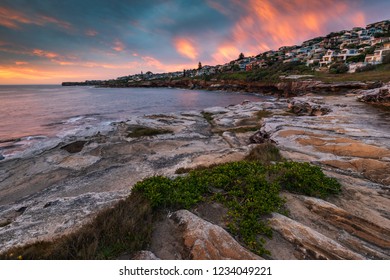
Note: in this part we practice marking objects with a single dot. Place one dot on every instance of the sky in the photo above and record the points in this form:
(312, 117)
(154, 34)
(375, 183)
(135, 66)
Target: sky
(51, 41)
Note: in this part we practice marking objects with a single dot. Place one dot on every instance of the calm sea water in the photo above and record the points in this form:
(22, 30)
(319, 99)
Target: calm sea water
(30, 114)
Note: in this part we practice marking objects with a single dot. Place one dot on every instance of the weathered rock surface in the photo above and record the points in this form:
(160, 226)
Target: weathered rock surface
(307, 108)
(145, 255)
(57, 189)
(311, 86)
(206, 241)
(352, 144)
(376, 96)
(311, 243)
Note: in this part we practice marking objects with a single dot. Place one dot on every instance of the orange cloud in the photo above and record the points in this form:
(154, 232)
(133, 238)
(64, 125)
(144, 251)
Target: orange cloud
(186, 48)
(21, 62)
(12, 74)
(270, 24)
(12, 19)
(63, 62)
(43, 53)
(156, 65)
(225, 54)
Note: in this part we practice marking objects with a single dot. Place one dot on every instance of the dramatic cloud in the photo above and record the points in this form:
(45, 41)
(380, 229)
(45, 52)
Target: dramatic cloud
(51, 41)
(186, 48)
(266, 24)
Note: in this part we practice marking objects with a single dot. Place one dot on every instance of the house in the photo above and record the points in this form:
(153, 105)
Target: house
(378, 55)
(345, 53)
(329, 57)
(380, 40)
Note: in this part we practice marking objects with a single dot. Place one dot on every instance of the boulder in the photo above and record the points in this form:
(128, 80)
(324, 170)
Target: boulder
(302, 108)
(2, 157)
(377, 96)
(260, 137)
(206, 241)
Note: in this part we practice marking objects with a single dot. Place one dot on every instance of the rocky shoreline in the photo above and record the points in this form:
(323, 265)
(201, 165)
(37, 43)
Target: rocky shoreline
(57, 190)
(285, 87)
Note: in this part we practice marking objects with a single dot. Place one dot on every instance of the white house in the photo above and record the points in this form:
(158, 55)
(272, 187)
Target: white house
(329, 57)
(345, 53)
(378, 55)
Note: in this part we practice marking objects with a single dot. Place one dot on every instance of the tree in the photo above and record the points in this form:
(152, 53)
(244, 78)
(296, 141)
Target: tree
(241, 56)
(199, 65)
(236, 68)
(356, 58)
(184, 72)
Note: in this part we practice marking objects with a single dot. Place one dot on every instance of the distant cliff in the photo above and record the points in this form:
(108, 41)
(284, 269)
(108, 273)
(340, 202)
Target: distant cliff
(284, 87)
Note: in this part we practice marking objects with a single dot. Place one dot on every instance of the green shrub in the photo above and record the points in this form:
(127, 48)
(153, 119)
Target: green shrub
(146, 131)
(303, 178)
(356, 58)
(338, 68)
(250, 190)
(208, 116)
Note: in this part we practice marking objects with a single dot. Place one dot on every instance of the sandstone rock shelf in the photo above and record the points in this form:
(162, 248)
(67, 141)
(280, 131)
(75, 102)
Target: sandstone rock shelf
(56, 190)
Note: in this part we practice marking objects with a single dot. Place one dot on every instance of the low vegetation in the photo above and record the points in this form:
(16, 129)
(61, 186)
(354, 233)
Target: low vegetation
(263, 114)
(265, 153)
(126, 227)
(208, 117)
(269, 74)
(249, 189)
(147, 131)
(380, 72)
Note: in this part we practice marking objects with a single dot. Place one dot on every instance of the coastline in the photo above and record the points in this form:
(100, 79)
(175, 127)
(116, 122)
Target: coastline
(84, 177)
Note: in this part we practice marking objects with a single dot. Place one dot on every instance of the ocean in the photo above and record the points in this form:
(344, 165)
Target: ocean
(35, 115)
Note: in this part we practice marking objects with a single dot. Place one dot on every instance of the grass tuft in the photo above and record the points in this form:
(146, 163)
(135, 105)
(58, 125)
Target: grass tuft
(265, 153)
(126, 227)
(263, 114)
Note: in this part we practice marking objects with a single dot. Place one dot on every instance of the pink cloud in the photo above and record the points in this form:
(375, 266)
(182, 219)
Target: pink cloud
(91, 32)
(118, 46)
